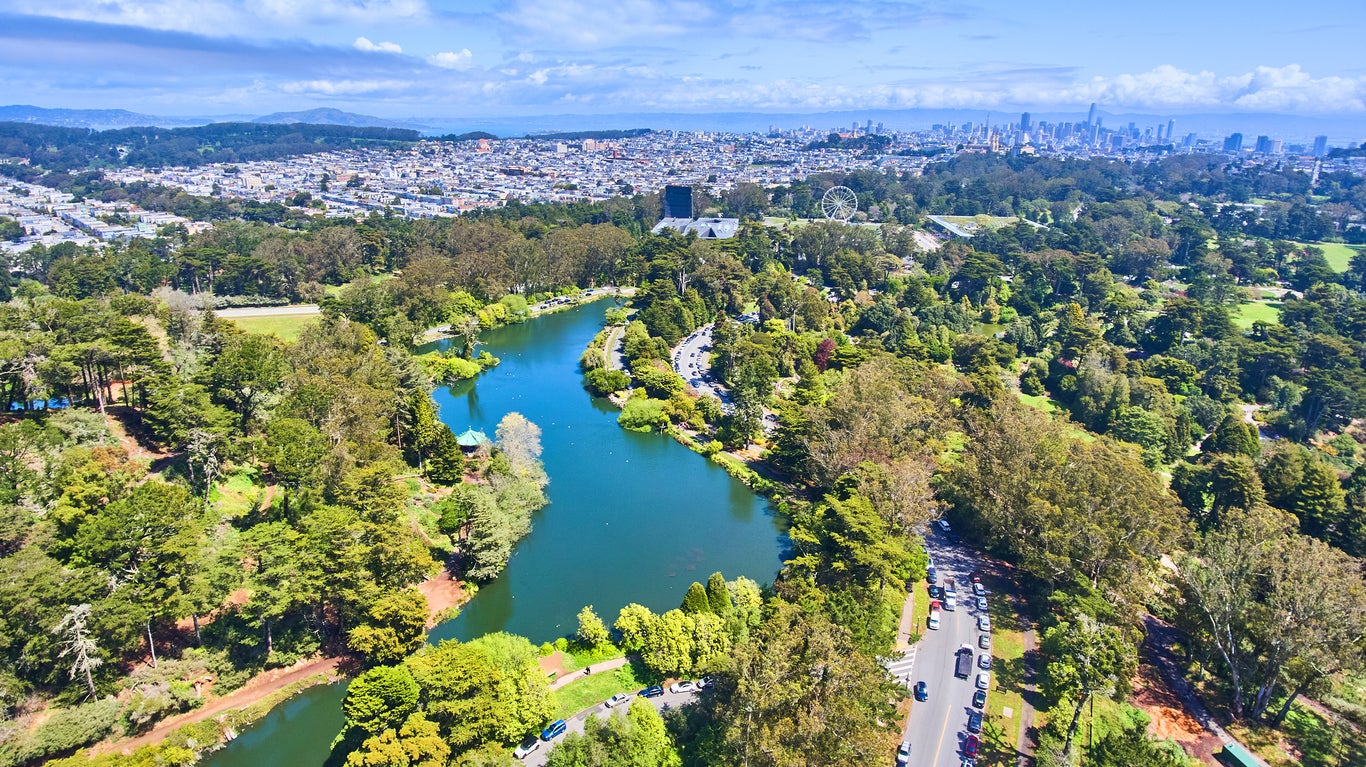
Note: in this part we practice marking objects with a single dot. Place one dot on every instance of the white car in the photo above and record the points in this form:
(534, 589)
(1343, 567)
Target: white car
(981, 603)
(943, 525)
(950, 602)
(617, 700)
(934, 619)
(984, 661)
(984, 623)
(983, 680)
(530, 744)
(687, 685)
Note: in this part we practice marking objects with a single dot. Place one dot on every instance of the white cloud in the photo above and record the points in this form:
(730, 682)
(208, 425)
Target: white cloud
(364, 44)
(223, 17)
(589, 23)
(343, 87)
(451, 59)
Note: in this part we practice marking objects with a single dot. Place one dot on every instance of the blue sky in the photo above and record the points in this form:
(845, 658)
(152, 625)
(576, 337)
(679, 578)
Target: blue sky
(409, 58)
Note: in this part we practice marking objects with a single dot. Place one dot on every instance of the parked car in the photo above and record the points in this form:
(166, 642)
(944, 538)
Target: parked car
(950, 602)
(932, 575)
(968, 762)
(983, 680)
(984, 661)
(979, 699)
(982, 604)
(974, 722)
(922, 691)
(617, 700)
(979, 589)
(529, 744)
(705, 682)
(984, 641)
(554, 730)
(935, 591)
(934, 620)
(653, 691)
(984, 623)
(903, 754)
(943, 525)
(970, 746)
(687, 685)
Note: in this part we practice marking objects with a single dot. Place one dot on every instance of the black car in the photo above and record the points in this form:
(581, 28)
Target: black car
(922, 691)
(974, 722)
(979, 699)
(653, 691)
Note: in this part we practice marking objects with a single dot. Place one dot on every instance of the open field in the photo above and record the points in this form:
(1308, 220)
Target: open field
(286, 327)
(1249, 312)
(1000, 730)
(1339, 255)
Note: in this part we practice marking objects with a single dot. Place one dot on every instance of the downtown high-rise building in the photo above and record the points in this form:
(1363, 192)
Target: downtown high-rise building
(1320, 146)
(1171, 130)
(1026, 122)
(1091, 116)
(1234, 143)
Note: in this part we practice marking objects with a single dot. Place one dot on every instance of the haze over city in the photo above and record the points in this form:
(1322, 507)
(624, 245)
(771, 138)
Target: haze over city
(424, 58)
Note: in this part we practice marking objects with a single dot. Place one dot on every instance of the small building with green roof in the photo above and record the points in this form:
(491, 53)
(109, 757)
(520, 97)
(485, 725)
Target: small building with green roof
(470, 440)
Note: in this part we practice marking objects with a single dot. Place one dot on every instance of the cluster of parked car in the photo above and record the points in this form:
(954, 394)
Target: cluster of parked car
(558, 727)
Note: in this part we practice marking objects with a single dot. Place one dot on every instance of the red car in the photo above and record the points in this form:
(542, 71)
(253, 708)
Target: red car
(970, 744)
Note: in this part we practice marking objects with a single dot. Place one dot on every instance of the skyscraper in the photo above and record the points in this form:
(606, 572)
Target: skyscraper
(1171, 129)
(1234, 143)
(1263, 145)
(1091, 116)
(1320, 146)
(1025, 122)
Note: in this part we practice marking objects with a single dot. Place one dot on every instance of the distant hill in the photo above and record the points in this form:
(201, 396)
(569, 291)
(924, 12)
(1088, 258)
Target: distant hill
(325, 116)
(99, 119)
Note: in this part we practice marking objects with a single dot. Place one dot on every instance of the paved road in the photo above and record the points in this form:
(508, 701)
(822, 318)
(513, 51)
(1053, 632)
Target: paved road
(692, 360)
(937, 727)
(268, 311)
(538, 757)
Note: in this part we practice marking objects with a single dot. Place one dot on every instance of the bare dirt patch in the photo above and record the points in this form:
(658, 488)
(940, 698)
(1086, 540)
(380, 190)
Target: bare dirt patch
(442, 592)
(1170, 719)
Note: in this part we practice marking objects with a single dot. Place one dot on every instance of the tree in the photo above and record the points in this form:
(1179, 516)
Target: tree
(801, 693)
(395, 627)
(696, 601)
(520, 441)
(1234, 436)
(592, 631)
(460, 687)
(634, 624)
(417, 743)
(1085, 657)
(381, 698)
(249, 368)
(78, 644)
(718, 595)
(637, 740)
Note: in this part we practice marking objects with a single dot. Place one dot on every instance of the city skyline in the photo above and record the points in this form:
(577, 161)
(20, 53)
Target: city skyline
(404, 58)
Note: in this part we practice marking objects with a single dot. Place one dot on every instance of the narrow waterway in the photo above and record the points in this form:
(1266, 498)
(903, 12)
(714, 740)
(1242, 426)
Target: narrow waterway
(632, 518)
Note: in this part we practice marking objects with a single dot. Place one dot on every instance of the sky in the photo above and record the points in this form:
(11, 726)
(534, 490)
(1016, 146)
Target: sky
(412, 58)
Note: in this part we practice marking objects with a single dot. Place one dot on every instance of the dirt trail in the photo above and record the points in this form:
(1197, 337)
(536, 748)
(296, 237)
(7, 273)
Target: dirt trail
(254, 691)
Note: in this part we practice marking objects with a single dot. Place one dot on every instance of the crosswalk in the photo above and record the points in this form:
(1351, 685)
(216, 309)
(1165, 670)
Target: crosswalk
(900, 667)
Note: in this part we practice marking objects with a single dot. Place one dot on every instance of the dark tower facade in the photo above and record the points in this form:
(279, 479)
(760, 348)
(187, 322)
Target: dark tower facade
(677, 202)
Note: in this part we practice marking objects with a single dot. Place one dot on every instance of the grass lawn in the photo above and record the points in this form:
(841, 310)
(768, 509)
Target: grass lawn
(1304, 739)
(1339, 254)
(1039, 401)
(236, 493)
(596, 688)
(1000, 733)
(1257, 311)
(286, 327)
(574, 658)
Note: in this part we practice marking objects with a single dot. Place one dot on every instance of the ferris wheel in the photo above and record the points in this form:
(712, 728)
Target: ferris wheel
(839, 203)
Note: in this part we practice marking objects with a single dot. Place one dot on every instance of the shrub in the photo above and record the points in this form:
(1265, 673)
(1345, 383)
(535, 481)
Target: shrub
(603, 382)
(643, 415)
(71, 728)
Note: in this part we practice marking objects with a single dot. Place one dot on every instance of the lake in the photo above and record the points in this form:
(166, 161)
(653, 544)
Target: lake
(632, 518)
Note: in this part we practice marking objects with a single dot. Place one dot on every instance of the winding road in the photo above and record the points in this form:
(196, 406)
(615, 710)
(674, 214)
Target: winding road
(538, 757)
